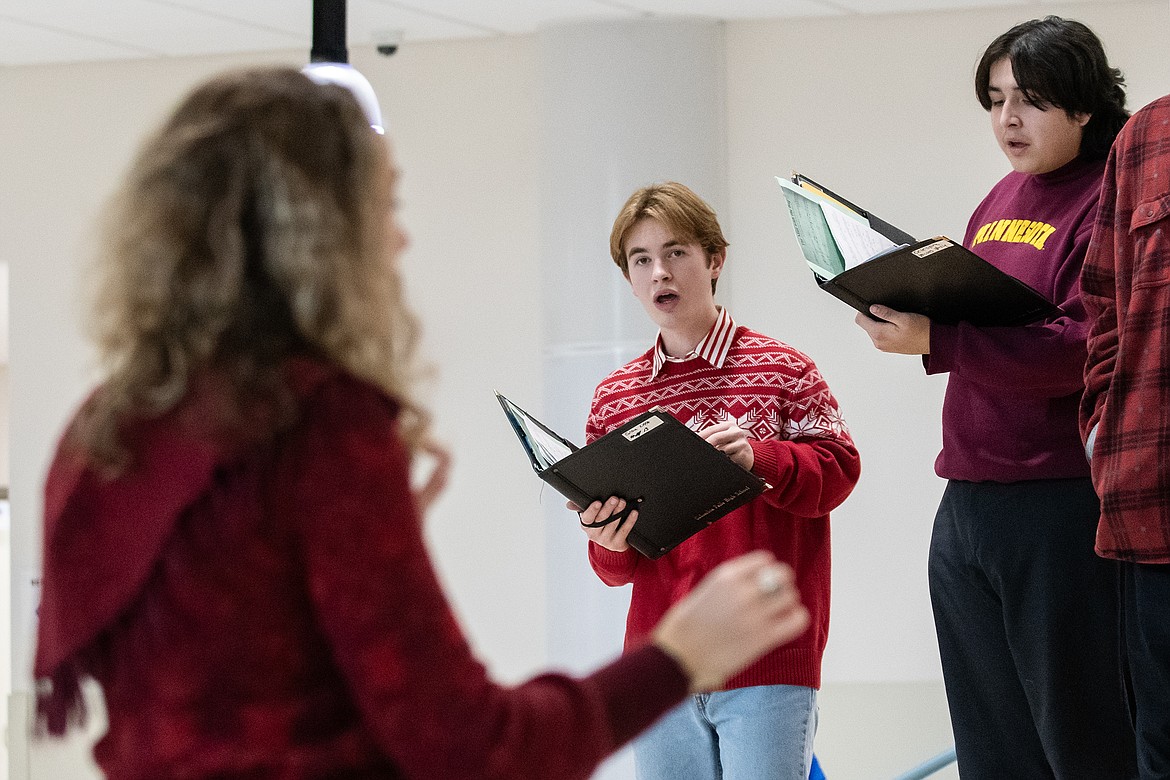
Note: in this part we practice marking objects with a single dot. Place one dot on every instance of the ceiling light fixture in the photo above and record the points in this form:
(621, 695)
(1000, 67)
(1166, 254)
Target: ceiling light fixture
(329, 59)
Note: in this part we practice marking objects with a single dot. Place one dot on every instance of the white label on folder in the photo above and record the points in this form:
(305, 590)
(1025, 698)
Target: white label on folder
(645, 426)
(930, 249)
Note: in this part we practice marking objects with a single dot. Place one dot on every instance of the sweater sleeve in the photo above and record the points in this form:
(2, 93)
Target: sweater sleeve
(815, 467)
(614, 568)
(426, 700)
(1043, 360)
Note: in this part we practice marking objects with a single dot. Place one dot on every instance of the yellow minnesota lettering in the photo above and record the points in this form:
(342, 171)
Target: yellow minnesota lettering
(1015, 231)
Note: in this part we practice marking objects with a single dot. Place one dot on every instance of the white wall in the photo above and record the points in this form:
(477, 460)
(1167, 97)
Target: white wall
(463, 127)
(879, 108)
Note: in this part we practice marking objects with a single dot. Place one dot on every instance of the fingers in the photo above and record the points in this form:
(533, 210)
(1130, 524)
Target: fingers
(784, 617)
(732, 440)
(790, 620)
(721, 430)
(600, 511)
(614, 536)
(436, 480)
(744, 566)
(745, 607)
(721, 438)
(610, 535)
(890, 316)
(896, 331)
(622, 528)
(713, 432)
(871, 326)
(754, 575)
(788, 617)
(770, 580)
(765, 579)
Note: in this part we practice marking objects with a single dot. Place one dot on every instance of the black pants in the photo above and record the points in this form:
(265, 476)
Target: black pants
(1145, 605)
(1028, 632)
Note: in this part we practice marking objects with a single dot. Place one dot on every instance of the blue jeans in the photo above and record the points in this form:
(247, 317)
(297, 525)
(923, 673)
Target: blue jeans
(760, 733)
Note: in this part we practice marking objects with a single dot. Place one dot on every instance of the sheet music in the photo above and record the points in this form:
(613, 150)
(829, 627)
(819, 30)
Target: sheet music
(832, 237)
(813, 233)
(856, 240)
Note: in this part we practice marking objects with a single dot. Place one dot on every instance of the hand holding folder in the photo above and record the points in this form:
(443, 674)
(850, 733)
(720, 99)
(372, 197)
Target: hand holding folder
(608, 524)
(678, 482)
(863, 260)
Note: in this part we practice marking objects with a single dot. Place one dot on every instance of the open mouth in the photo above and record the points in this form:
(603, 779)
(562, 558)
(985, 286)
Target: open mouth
(666, 297)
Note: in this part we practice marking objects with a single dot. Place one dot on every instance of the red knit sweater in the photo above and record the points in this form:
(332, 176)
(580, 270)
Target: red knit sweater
(271, 612)
(801, 448)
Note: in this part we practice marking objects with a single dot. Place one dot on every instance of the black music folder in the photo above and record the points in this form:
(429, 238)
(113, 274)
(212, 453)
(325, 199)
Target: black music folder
(864, 260)
(678, 482)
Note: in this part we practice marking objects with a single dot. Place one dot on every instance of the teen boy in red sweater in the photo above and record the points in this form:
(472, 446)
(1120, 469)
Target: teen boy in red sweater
(766, 406)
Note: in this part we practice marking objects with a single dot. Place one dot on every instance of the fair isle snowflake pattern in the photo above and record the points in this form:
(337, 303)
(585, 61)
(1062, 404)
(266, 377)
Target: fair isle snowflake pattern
(764, 386)
(822, 426)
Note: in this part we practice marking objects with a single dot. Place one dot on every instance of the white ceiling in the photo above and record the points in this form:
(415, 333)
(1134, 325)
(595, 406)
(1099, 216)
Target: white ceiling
(44, 31)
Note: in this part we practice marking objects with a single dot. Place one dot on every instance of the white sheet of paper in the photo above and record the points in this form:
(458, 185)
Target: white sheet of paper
(857, 241)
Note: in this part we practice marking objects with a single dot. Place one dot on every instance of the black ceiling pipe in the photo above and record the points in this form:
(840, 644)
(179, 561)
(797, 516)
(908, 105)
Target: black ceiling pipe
(328, 32)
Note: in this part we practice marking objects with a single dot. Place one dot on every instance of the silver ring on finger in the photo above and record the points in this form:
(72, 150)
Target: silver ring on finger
(769, 581)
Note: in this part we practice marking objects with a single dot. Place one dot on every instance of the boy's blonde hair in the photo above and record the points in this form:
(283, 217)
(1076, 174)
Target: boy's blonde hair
(678, 208)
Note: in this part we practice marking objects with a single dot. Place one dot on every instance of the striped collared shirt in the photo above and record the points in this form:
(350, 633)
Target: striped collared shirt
(712, 349)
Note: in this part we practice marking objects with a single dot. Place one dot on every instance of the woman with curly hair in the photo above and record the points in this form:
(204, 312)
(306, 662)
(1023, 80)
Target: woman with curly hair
(233, 548)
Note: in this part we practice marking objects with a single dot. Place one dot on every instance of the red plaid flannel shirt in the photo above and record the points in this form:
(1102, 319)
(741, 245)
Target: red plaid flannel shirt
(1126, 288)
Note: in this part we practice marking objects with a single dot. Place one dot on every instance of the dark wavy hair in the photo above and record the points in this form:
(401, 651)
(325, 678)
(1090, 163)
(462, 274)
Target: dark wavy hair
(1061, 62)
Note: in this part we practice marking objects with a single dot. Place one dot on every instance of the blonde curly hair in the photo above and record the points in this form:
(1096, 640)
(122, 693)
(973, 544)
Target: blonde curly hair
(254, 226)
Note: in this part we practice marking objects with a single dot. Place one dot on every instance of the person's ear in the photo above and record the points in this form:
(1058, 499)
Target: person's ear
(715, 261)
(1082, 119)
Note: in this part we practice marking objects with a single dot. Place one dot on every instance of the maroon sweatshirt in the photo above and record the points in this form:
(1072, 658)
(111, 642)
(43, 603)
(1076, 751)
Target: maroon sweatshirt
(1010, 412)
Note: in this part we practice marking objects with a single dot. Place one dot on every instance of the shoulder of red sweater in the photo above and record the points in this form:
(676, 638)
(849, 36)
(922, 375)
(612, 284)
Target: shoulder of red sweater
(746, 334)
(642, 364)
(328, 389)
(748, 339)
